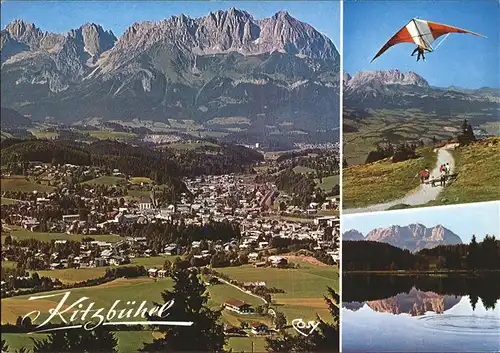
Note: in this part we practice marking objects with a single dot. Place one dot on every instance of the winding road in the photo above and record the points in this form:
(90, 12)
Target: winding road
(423, 194)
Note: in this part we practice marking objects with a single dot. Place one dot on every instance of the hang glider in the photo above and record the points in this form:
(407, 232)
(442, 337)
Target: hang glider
(422, 33)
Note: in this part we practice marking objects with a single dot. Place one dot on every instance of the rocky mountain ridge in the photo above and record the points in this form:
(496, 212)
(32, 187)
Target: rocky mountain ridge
(225, 64)
(394, 89)
(413, 237)
(377, 79)
(89, 38)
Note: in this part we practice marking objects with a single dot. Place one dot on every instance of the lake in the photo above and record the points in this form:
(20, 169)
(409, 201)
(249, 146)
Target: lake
(382, 313)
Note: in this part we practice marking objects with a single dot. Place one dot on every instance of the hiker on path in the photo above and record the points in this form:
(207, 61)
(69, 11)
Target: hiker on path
(424, 175)
(448, 169)
(443, 177)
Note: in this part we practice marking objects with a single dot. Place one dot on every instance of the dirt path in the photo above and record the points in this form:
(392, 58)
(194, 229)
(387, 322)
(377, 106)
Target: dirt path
(423, 194)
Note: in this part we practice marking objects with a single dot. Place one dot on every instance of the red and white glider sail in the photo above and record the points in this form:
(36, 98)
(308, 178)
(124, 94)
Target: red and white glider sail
(422, 33)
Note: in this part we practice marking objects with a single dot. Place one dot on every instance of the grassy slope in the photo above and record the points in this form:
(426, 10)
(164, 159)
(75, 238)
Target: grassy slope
(104, 295)
(304, 298)
(398, 125)
(82, 274)
(7, 201)
(304, 287)
(19, 183)
(104, 180)
(329, 182)
(112, 135)
(41, 134)
(9, 264)
(383, 181)
(138, 180)
(478, 174)
(244, 344)
(191, 145)
(302, 170)
(21, 233)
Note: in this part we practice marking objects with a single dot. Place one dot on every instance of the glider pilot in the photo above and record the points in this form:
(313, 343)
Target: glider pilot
(422, 33)
(421, 50)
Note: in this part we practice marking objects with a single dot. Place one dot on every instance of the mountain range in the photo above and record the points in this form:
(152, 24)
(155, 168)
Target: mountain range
(413, 237)
(225, 64)
(394, 89)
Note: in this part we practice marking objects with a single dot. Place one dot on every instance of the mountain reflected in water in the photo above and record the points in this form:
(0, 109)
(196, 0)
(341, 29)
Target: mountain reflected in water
(420, 313)
(363, 288)
(415, 303)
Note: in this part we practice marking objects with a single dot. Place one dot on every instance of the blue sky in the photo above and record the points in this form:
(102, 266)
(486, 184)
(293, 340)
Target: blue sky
(462, 60)
(464, 220)
(61, 16)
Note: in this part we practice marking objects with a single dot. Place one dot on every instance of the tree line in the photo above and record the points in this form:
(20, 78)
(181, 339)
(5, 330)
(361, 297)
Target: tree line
(378, 256)
(159, 165)
(364, 287)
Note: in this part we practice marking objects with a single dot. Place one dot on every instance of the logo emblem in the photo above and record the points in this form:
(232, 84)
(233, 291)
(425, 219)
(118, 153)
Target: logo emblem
(305, 329)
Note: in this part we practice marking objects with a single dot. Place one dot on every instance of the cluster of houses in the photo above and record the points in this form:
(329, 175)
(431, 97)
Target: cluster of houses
(242, 308)
(91, 254)
(211, 198)
(107, 254)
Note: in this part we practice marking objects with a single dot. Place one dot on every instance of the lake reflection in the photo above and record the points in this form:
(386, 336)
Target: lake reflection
(426, 317)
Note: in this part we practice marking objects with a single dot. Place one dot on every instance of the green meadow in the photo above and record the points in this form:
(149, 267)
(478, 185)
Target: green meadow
(478, 174)
(21, 233)
(382, 181)
(105, 180)
(20, 183)
(304, 288)
(327, 183)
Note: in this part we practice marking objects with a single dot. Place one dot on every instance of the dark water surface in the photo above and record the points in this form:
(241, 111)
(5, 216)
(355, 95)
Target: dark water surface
(420, 313)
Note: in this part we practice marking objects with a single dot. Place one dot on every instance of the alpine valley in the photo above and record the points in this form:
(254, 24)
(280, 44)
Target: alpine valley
(224, 68)
(402, 107)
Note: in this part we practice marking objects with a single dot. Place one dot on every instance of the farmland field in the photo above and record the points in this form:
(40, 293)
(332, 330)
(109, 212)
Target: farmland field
(111, 135)
(138, 180)
(396, 126)
(9, 264)
(103, 295)
(73, 275)
(42, 134)
(244, 344)
(304, 288)
(191, 145)
(104, 180)
(329, 182)
(19, 183)
(7, 201)
(303, 170)
(21, 233)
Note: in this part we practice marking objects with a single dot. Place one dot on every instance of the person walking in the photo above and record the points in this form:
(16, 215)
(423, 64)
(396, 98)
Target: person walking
(424, 175)
(443, 177)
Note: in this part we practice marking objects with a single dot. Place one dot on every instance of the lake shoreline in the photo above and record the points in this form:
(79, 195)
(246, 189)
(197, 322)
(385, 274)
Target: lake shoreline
(421, 272)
